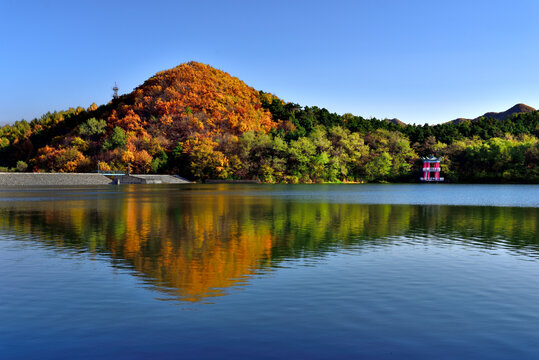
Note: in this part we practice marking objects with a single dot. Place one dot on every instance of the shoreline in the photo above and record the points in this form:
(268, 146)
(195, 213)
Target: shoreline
(8, 179)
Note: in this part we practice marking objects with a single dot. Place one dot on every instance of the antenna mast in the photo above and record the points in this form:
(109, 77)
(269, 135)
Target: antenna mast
(115, 93)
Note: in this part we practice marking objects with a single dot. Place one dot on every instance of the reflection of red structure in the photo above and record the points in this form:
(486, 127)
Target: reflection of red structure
(431, 169)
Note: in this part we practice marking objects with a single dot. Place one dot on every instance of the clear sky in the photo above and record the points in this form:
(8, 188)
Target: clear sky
(420, 61)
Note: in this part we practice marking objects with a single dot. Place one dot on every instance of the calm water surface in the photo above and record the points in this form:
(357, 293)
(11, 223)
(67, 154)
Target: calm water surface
(236, 271)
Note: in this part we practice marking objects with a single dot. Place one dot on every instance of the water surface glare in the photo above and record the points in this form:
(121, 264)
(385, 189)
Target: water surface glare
(269, 272)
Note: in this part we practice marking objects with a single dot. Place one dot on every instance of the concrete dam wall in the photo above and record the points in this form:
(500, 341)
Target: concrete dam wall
(67, 179)
(37, 179)
(151, 179)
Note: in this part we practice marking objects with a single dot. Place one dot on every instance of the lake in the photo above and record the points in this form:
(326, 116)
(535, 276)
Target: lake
(419, 271)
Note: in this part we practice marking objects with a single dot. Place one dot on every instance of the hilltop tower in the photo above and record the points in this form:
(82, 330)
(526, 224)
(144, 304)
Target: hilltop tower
(115, 91)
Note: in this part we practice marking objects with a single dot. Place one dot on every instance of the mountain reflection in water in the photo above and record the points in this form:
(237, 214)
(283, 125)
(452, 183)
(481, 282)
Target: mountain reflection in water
(193, 245)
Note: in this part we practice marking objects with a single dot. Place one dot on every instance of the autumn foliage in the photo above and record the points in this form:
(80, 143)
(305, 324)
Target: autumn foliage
(202, 123)
(192, 106)
(194, 100)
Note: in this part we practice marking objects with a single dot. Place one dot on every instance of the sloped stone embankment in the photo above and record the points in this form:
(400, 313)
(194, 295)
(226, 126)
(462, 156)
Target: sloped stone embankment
(37, 179)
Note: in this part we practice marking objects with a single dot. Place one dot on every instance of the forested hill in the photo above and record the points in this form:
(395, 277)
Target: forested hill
(203, 123)
(514, 110)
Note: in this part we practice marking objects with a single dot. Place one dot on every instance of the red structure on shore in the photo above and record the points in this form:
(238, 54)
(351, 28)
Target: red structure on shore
(431, 170)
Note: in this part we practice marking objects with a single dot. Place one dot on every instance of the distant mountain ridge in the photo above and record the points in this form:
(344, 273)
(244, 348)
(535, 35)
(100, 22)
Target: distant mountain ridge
(396, 121)
(516, 109)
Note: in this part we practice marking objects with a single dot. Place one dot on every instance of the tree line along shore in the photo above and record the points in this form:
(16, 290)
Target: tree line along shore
(202, 123)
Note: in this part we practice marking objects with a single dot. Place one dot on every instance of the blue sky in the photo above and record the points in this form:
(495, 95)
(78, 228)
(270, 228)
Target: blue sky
(419, 61)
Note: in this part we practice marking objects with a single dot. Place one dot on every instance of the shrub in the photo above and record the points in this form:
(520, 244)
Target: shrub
(21, 166)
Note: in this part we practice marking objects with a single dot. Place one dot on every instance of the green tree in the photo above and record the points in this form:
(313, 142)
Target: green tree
(301, 156)
(379, 168)
(158, 163)
(93, 128)
(117, 140)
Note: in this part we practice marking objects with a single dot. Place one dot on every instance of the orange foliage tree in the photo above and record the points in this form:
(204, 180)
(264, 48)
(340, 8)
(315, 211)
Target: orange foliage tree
(62, 160)
(193, 100)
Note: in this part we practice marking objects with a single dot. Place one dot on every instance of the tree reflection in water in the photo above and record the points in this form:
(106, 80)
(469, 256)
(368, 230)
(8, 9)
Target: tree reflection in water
(193, 245)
